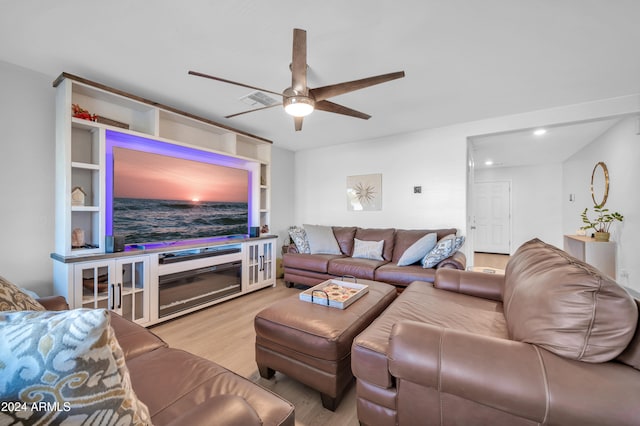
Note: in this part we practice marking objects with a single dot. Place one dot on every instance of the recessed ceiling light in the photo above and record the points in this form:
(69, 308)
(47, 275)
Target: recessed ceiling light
(488, 163)
(539, 132)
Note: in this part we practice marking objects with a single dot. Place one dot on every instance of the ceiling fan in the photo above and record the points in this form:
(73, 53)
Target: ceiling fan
(300, 100)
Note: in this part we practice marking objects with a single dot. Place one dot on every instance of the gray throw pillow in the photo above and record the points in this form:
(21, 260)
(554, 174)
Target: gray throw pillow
(418, 250)
(321, 240)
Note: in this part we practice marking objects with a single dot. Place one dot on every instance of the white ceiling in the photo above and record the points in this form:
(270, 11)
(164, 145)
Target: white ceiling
(464, 59)
(524, 148)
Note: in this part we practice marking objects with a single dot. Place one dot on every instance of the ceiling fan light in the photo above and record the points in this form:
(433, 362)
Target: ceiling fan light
(299, 106)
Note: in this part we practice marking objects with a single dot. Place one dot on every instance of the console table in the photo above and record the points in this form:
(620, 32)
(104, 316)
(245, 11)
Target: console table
(599, 254)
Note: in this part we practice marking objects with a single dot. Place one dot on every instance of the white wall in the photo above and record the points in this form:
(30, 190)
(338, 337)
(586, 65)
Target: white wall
(536, 201)
(405, 161)
(282, 193)
(26, 177)
(619, 148)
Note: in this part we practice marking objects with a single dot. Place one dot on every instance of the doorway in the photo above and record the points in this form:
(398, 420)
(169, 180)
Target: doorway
(492, 217)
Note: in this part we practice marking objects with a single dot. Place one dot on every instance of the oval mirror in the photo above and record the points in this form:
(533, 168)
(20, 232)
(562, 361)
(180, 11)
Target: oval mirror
(600, 184)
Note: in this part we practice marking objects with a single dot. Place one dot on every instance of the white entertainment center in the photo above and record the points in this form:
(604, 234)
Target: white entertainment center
(155, 282)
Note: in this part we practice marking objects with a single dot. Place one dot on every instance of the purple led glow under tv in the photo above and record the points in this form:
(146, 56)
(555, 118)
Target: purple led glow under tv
(165, 198)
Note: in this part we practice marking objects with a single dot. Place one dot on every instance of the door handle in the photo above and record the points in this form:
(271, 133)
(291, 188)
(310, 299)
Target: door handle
(473, 227)
(112, 298)
(119, 295)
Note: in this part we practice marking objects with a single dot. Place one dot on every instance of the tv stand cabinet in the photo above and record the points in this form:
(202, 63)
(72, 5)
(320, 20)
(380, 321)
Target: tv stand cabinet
(129, 282)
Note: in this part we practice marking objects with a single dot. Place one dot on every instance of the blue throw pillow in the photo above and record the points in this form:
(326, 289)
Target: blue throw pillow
(418, 250)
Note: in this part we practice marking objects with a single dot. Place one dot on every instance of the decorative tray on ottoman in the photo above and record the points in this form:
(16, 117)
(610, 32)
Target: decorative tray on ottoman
(334, 293)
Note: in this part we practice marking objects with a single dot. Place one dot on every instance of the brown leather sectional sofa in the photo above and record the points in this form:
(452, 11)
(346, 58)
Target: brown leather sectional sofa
(552, 341)
(180, 388)
(312, 269)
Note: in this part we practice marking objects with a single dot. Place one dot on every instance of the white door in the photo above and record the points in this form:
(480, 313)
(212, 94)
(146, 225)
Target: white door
(492, 214)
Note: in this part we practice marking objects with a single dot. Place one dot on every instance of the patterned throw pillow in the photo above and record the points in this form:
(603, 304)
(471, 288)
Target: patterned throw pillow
(65, 368)
(299, 237)
(418, 250)
(12, 299)
(444, 248)
(368, 249)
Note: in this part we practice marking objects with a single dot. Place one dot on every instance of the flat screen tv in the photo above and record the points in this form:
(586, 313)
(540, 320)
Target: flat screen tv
(162, 197)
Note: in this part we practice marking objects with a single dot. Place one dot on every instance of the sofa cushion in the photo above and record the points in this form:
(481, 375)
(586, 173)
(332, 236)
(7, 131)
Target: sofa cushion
(344, 235)
(566, 306)
(367, 249)
(309, 262)
(404, 275)
(372, 234)
(13, 299)
(299, 237)
(416, 251)
(71, 358)
(405, 238)
(355, 267)
(443, 249)
(421, 302)
(321, 240)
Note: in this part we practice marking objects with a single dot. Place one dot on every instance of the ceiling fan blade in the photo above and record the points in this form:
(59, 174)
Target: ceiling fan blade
(299, 62)
(297, 121)
(339, 109)
(252, 110)
(199, 74)
(326, 92)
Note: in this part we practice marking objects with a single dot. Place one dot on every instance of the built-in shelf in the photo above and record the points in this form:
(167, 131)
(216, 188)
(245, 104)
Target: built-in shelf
(81, 162)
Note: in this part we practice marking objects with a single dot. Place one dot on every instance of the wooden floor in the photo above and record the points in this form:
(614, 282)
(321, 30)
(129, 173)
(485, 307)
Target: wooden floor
(491, 260)
(224, 334)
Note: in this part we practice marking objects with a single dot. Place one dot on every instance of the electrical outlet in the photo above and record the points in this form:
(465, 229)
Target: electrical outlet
(417, 190)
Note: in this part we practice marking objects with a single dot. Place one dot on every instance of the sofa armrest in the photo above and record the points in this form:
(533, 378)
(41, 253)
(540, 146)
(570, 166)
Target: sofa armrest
(224, 409)
(513, 377)
(54, 303)
(456, 261)
(499, 373)
(478, 284)
(134, 339)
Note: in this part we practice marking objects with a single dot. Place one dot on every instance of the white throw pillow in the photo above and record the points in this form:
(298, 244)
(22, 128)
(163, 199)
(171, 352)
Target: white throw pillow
(321, 240)
(418, 250)
(444, 248)
(368, 249)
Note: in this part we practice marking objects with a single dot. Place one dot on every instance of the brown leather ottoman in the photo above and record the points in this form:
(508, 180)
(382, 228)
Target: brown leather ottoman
(312, 343)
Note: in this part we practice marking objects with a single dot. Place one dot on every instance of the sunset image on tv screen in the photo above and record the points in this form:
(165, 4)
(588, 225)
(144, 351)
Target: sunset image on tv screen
(163, 198)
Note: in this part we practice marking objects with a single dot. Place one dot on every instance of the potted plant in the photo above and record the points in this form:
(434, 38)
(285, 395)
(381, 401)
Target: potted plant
(602, 222)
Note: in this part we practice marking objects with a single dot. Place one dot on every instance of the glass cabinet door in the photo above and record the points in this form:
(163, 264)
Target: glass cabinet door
(253, 261)
(116, 285)
(267, 261)
(131, 295)
(94, 285)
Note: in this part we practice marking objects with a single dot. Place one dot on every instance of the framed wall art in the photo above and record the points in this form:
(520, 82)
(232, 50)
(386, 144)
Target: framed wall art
(364, 192)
